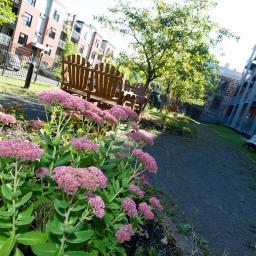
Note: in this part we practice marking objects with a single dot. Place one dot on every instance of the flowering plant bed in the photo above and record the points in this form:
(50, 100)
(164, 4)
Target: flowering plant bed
(75, 187)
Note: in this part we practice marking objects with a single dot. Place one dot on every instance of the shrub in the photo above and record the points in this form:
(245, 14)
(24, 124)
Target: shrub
(78, 188)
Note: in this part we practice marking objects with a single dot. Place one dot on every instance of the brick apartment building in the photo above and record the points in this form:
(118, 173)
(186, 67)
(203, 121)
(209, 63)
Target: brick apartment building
(218, 108)
(41, 26)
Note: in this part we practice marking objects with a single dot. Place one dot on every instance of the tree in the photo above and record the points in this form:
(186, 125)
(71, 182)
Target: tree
(70, 48)
(6, 14)
(169, 39)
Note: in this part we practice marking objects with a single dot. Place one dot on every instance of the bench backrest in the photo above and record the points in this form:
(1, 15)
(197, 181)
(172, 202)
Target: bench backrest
(138, 89)
(108, 81)
(76, 73)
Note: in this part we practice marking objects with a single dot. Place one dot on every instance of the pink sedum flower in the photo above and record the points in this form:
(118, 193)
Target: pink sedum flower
(156, 203)
(124, 233)
(144, 179)
(130, 207)
(42, 172)
(7, 119)
(64, 99)
(24, 150)
(53, 97)
(147, 160)
(93, 116)
(109, 117)
(95, 178)
(83, 144)
(140, 137)
(130, 113)
(118, 113)
(97, 204)
(36, 123)
(136, 190)
(146, 210)
(71, 179)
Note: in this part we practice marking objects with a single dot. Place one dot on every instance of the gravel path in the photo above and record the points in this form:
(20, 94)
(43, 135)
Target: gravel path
(209, 179)
(32, 109)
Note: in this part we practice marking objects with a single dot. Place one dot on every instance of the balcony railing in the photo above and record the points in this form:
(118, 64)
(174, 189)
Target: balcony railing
(76, 35)
(5, 39)
(61, 44)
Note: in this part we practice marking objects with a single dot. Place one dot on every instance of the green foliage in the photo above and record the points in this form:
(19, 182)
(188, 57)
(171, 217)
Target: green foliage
(184, 228)
(172, 123)
(6, 14)
(171, 41)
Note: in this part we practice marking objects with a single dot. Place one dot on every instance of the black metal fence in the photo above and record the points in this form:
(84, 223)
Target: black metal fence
(15, 60)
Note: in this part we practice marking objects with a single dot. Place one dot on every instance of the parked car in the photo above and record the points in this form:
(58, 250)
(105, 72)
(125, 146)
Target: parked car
(11, 61)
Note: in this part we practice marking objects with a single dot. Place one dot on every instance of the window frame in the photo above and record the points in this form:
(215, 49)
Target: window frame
(56, 14)
(24, 38)
(49, 48)
(52, 31)
(27, 22)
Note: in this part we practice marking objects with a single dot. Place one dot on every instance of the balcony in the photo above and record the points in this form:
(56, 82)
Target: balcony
(61, 44)
(76, 35)
(101, 51)
(5, 39)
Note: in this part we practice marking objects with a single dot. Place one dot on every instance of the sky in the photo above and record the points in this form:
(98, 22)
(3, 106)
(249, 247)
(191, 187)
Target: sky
(236, 15)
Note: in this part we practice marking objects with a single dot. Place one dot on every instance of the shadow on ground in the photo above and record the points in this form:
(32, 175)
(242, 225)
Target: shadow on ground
(209, 179)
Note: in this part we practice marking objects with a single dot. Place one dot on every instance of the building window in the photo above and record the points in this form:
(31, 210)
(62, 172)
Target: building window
(81, 49)
(56, 15)
(32, 2)
(85, 35)
(27, 19)
(97, 43)
(48, 50)
(93, 55)
(63, 36)
(23, 39)
(52, 33)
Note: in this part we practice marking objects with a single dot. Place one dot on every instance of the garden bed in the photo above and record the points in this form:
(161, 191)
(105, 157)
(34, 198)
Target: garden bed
(71, 186)
(170, 123)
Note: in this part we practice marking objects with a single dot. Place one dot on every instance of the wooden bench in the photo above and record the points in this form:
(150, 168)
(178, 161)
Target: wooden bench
(137, 96)
(107, 86)
(77, 75)
(104, 83)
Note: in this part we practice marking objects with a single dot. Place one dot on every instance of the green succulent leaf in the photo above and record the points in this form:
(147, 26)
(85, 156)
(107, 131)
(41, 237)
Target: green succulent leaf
(24, 199)
(81, 236)
(25, 221)
(7, 191)
(45, 249)
(32, 237)
(8, 245)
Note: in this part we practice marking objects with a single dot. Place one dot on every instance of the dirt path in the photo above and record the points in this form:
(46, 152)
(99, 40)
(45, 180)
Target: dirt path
(209, 179)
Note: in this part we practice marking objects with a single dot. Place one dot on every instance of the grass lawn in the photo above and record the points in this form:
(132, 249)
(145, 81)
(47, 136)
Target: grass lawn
(234, 137)
(14, 86)
(176, 124)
